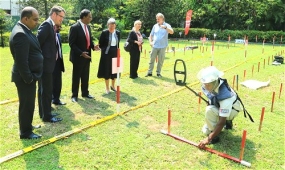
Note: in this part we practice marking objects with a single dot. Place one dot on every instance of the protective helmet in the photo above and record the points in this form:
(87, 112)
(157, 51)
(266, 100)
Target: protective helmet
(209, 74)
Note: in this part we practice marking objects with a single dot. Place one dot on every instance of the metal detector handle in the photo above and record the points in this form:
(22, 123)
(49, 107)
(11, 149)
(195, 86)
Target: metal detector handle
(197, 94)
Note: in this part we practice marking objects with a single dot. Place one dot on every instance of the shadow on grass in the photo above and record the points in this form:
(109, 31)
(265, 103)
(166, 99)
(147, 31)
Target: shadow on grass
(48, 155)
(231, 145)
(130, 124)
(42, 157)
(93, 106)
(124, 98)
(144, 81)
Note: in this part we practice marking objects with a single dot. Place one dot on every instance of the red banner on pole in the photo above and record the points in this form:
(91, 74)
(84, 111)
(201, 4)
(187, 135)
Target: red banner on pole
(188, 21)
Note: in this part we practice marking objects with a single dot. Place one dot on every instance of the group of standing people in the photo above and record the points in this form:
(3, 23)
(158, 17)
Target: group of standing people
(39, 59)
(158, 40)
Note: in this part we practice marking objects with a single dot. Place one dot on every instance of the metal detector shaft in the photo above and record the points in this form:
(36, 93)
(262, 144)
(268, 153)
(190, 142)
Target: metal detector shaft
(197, 94)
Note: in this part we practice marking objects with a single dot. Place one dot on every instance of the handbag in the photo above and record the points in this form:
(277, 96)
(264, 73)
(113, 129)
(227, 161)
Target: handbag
(127, 45)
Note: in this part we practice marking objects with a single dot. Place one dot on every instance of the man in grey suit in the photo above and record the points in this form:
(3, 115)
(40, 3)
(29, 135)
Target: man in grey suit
(27, 68)
(47, 38)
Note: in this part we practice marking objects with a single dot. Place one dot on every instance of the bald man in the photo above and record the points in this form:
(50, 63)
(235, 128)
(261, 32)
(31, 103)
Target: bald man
(27, 68)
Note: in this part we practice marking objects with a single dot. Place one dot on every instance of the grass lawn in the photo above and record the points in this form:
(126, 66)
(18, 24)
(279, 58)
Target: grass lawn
(133, 140)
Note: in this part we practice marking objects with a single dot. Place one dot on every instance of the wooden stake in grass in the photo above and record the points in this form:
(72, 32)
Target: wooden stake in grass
(244, 74)
(144, 53)
(258, 67)
(242, 145)
(234, 79)
(261, 118)
(280, 90)
(264, 63)
(272, 103)
(237, 82)
(169, 121)
(252, 69)
(268, 60)
(184, 49)
(199, 102)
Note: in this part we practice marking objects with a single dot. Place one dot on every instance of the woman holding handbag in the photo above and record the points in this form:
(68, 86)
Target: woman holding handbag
(136, 40)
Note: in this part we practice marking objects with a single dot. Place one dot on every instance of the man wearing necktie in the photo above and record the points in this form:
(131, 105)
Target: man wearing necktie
(47, 38)
(80, 42)
(27, 68)
(58, 69)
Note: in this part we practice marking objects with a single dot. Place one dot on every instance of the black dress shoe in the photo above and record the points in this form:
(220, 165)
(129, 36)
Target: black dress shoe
(74, 99)
(159, 75)
(37, 127)
(31, 136)
(148, 75)
(88, 96)
(113, 89)
(53, 120)
(59, 103)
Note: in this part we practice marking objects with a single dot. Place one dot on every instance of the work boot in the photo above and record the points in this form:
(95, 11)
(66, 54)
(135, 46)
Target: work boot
(229, 124)
(216, 139)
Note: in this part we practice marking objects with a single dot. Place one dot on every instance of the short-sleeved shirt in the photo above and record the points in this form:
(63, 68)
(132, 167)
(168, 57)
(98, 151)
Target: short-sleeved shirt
(160, 36)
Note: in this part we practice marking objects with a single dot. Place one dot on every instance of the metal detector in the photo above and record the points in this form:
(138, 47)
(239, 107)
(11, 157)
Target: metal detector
(183, 82)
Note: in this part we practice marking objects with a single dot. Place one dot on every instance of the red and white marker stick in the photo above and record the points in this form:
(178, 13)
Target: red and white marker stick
(118, 80)
(273, 96)
(224, 155)
(280, 90)
(242, 145)
(261, 118)
(169, 121)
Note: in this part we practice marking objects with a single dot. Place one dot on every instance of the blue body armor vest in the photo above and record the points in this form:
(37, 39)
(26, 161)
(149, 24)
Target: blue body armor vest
(223, 93)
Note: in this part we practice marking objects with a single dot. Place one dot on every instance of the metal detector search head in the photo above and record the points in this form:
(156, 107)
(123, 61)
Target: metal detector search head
(180, 82)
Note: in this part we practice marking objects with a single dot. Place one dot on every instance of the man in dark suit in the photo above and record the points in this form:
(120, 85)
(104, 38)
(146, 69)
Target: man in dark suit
(47, 38)
(27, 68)
(80, 42)
(57, 72)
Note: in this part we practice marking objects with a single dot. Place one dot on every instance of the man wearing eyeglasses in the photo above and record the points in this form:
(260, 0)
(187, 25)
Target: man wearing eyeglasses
(47, 38)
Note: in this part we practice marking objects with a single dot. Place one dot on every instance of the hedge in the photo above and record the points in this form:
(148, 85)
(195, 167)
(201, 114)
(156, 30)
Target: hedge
(194, 33)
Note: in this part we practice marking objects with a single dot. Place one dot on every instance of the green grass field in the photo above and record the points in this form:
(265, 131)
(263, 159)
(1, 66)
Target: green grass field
(133, 140)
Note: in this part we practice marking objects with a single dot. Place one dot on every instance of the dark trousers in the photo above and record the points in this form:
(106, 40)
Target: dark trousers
(134, 62)
(27, 95)
(80, 72)
(45, 95)
(57, 81)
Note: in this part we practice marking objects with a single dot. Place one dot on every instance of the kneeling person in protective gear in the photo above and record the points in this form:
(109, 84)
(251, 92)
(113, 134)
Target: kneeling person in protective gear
(223, 104)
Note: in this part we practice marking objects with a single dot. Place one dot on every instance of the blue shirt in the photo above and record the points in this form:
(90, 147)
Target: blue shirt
(159, 36)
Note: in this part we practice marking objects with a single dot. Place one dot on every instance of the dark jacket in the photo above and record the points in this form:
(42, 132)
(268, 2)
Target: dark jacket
(46, 37)
(104, 40)
(27, 54)
(132, 38)
(78, 43)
